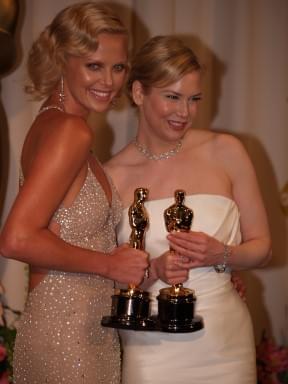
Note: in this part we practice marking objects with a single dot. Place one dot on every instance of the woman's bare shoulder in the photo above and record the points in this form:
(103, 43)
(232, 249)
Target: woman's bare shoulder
(229, 147)
(219, 143)
(65, 124)
(63, 129)
(196, 138)
(229, 152)
(120, 159)
(218, 139)
(224, 149)
(59, 137)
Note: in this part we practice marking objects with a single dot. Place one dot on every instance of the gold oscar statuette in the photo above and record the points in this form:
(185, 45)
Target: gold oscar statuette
(130, 307)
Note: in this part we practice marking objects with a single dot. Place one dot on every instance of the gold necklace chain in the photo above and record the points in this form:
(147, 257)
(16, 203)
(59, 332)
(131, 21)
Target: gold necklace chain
(162, 156)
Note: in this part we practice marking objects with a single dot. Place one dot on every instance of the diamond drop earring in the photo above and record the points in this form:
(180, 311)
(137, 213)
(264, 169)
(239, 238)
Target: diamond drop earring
(61, 93)
(114, 102)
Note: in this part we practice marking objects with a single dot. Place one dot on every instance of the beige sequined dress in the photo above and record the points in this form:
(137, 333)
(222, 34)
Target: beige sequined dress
(59, 338)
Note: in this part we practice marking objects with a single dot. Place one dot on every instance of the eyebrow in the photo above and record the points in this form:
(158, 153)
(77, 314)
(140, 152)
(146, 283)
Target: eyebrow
(180, 94)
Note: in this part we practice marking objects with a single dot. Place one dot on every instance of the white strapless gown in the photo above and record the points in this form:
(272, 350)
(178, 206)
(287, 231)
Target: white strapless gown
(221, 353)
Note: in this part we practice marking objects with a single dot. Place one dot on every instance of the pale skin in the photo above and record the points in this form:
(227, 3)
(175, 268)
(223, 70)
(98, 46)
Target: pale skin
(54, 161)
(208, 163)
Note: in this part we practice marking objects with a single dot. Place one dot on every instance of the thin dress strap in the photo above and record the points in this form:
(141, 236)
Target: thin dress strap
(21, 177)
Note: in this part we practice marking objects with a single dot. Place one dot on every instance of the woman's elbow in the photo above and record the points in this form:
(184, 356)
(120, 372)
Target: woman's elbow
(267, 253)
(267, 259)
(11, 244)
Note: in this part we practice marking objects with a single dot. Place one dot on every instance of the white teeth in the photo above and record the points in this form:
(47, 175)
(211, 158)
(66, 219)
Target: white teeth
(176, 123)
(102, 94)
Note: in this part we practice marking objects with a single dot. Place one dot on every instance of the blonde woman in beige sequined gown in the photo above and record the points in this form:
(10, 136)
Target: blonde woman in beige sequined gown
(63, 220)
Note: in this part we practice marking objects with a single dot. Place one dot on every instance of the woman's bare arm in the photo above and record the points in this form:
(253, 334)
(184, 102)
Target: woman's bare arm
(255, 249)
(26, 235)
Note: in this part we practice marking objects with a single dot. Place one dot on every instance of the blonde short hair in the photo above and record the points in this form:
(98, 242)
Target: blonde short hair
(162, 60)
(73, 31)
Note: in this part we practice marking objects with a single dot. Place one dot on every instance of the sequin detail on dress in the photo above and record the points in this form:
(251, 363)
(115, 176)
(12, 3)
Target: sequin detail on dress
(60, 339)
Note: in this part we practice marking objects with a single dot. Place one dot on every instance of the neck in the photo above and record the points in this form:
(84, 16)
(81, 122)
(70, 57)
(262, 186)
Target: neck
(169, 151)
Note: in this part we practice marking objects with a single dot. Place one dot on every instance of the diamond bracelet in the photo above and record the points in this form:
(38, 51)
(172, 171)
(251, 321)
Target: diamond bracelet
(220, 268)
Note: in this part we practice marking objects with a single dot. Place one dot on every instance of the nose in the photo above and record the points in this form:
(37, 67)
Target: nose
(183, 109)
(107, 77)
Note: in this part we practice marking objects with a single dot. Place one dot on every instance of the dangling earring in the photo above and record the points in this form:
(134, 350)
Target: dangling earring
(61, 92)
(114, 102)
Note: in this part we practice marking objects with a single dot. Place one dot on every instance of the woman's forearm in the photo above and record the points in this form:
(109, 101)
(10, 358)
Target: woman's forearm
(254, 253)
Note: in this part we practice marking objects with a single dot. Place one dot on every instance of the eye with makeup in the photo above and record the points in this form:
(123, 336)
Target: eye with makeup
(176, 97)
(93, 66)
(172, 96)
(119, 67)
(195, 98)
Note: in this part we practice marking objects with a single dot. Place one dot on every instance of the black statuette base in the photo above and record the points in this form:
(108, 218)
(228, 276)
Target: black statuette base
(152, 323)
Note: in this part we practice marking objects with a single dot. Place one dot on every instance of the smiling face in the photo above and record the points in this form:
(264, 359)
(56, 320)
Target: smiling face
(92, 82)
(167, 113)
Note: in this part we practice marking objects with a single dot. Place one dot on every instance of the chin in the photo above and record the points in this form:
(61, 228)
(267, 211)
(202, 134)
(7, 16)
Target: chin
(177, 135)
(101, 107)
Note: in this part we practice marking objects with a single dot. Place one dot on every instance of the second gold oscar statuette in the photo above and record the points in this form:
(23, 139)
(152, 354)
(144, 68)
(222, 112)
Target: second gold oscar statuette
(176, 304)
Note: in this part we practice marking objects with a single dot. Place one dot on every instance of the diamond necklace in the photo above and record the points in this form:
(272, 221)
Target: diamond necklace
(162, 156)
(52, 106)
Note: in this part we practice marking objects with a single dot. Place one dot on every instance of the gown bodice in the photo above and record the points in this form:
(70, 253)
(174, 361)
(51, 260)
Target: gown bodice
(77, 222)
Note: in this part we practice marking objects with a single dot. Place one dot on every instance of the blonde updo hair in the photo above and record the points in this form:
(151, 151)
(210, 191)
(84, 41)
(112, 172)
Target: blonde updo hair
(161, 61)
(73, 31)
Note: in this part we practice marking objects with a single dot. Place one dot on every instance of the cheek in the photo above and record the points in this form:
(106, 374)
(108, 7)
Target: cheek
(194, 109)
(164, 109)
(86, 77)
(167, 108)
(160, 107)
(77, 79)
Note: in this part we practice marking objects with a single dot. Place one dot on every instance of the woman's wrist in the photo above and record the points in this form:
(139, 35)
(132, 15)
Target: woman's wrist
(226, 255)
(106, 265)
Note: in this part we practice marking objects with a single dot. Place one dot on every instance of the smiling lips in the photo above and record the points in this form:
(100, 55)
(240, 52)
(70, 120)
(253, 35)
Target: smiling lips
(101, 95)
(177, 124)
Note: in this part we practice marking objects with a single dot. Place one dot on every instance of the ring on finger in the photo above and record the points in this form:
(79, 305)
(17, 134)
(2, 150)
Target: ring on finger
(147, 273)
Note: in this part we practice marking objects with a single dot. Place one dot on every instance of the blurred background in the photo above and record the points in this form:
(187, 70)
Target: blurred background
(243, 45)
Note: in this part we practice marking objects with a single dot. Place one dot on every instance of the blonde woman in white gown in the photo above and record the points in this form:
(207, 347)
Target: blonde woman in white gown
(229, 228)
